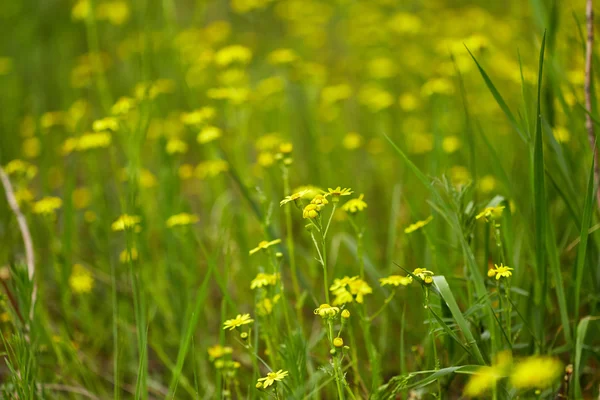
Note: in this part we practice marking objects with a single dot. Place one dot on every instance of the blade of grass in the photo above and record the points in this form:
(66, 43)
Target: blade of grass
(582, 328)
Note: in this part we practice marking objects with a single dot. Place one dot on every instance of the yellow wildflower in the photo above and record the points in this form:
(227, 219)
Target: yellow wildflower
(231, 54)
(282, 56)
(105, 124)
(355, 205)
(123, 106)
(450, 144)
(293, 197)
(339, 192)
(81, 280)
(500, 272)
(264, 245)
(239, 320)
(32, 147)
(325, 310)
(349, 289)
(115, 12)
(199, 116)
(375, 98)
(490, 213)
(128, 255)
(265, 306)
(263, 279)
(487, 184)
(424, 274)
(181, 220)
(212, 168)
(319, 200)
(418, 225)
(21, 167)
(125, 222)
(352, 141)
(481, 381)
(47, 205)
(208, 134)
(396, 280)
(536, 372)
(338, 342)
(218, 351)
(176, 146)
(345, 314)
(271, 378)
(81, 197)
(23, 195)
(311, 211)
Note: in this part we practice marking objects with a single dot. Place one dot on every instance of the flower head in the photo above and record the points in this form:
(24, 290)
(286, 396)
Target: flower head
(47, 205)
(338, 191)
(500, 271)
(355, 205)
(319, 200)
(325, 310)
(338, 342)
(349, 289)
(311, 211)
(396, 280)
(263, 279)
(208, 134)
(125, 222)
(490, 213)
(424, 274)
(271, 378)
(536, 372)
(81, 280)
(239, 320)
(264, 245)
(181, 219)
(293, 197)
(418, 225)
(218, 351)
(482, 381)
(265, 306)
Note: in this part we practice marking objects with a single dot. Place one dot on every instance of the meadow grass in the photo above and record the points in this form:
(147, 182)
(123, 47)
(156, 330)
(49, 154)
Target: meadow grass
(297, 199)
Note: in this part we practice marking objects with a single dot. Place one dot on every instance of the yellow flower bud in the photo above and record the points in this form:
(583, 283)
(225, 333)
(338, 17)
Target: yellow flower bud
(346, 314)
(338, 342)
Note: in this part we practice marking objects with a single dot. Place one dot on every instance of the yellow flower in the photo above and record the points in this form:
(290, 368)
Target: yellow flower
(181, 219)
(115, 12)
(81, 280)
(231, 54)
(21, 167)
(286, 148)
(424, 274)
(239, 320)
(346, 314)
(208, 134)
(125, 222)
(418, 225)
(482, 380)
(450, 144)
(293, 197)
(218, 351)
(282, 56)
(319, 200)
(106, 124)
(81, 197)
(265, 306)
(490, 213)
(123, 106)
(536, 372)
(198, 117)
(311, 211)
(32, 147)
(47, 205)
(263, 279)
(87, 141)
(325, 310)
(352, 141)
(486, 183)
(338, 342)
(396, 280)
(338, 191)
(264, 245)
(355, 205)
(349, 289)
(176, 146)
(500, 271)
(23, 195)
(375, 98)
(271, 378)
(128, 255)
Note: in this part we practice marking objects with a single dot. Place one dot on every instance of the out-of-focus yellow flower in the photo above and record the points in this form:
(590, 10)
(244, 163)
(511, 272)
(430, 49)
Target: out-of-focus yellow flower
(236, 95)
(123, 106)
(6, 64)
(81, 280)
(87, 141)
(355, 205)
(352, 141)
(338, 342)
(338, 191)
(418, 225)
(208, 134)
(176, 146)
(487, 183)
(408, 102)
(396, 280)
(52, 118)
(81, 10)
(419, 143)
(442, 86)
(89, 216)
(537, 372)
(218, 351)
(491, 213)
(327, 311)
(263, 279)
(424, 274)
(459, 175)
(47, 205)
(199, 116)
(217, 31)
(239, 320)
(282, 56)
(265, 159)
(20, 167)
(381, 68)
(264, 245)
(333, 94)
(375, 98)
(233, 54)
(245, 6)
(106, 124)
(32, 147)
(209, 169)
(265, 306)
(185, 171)
(125, 222)
(483, 380)
(115, 12)
(450, 144)
(128, 255)
(23, 196)
(405, 23)
(294, 196)
(500, 272)
(561, 134)
(82, 197)
(182, 219)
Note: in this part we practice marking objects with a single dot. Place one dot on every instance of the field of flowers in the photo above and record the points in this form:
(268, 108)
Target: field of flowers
(298, 199)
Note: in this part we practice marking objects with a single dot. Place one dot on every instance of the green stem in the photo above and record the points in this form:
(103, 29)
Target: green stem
(385, 304)
(290, 240)
(323, 264)
(336, 364)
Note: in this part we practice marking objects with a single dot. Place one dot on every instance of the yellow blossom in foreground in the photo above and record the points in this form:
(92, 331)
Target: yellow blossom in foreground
(490, 213)
(218, 351)
(208, 134)
(293, 197)
(500, 271)
(47, 205)
(125, 222)
(396, 280)
(418, 225)
(81, 280)
(311, 211)
(355, 205)
(263, 279)
(239, 320)
(271, 378)
(282, 56)
(181, 219)
(319, 200)
(264, 245)
(325, 310)
(537, 372)
(424, 274)
(482, 381)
